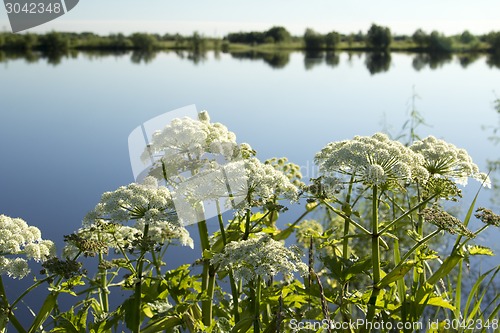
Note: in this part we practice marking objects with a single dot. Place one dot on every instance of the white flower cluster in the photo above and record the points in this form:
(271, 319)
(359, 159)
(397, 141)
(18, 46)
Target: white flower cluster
(265, 182)
(114, 236)
(260, 256)
(133, 201)
(183, 144)
(145, 203)
(374, 160)
(443, 159)
(18, 238)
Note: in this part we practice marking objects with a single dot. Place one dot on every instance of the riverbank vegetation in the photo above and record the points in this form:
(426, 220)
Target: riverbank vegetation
(377, 38)
(367, 254)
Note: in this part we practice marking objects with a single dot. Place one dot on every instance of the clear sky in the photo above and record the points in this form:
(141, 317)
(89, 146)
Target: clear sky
(218, 17)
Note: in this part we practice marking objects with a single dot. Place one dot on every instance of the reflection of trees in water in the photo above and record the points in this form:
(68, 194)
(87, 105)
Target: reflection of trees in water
(98, 54)
(332, 59)
(274, 59)
(145, 56)
(465, 59)
(493, 60)
(378, 62)
(433, 60)
(313, 58)
(52, 57)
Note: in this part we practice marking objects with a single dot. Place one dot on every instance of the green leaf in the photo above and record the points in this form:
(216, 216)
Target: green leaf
(132, 318)
(440, 302)
(44, 312)
(397, 273)
(243, 325)
(164, 323)
(480, 250)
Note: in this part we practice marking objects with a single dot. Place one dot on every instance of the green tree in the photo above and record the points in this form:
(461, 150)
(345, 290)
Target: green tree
(420, 38)
(278, 34)
(379, 37)
(439, 43)
(54, 42)
(493, 38)
(313, 40)
(143, 41)
(467, 38)
(332, 40)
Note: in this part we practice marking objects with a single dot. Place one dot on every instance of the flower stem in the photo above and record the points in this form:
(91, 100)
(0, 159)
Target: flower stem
(258, 291)
(208, 274)
(375, 255)
(347, 212)
(103, 290)
(138, 284)
(232, 281)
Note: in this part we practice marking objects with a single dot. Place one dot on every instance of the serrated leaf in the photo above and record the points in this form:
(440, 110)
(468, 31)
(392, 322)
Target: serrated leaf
(480, 250)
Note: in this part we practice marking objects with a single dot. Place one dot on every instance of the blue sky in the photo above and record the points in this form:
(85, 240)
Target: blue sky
(218, 17)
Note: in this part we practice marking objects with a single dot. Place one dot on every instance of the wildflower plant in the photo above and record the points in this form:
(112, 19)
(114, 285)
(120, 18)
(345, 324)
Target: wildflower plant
(378, 205)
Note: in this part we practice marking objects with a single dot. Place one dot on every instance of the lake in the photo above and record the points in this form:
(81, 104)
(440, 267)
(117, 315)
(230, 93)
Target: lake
(64, 121)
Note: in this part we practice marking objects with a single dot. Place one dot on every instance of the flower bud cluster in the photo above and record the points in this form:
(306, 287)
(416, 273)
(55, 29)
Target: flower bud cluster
(17, 239)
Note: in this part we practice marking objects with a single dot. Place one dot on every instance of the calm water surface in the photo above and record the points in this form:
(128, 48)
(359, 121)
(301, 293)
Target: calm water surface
(64, 127)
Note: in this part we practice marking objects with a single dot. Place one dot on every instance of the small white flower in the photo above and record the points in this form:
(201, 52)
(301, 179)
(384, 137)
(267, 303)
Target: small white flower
(374, 160)
(443, 159)
(17, 268)
(17, 238)
(260, 256)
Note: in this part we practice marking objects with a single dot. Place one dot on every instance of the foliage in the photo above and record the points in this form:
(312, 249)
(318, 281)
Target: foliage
(313, 40)
(372, 248)
(332, 40)
(379, 37)
(437, 42)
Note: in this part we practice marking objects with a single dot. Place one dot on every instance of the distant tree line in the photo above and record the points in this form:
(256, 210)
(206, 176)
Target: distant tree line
(273, 35)
(376, 38)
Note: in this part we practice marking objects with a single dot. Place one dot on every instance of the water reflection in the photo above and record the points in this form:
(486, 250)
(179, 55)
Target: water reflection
(466, 59)
(493, 60)
(378, 62)
(375, 62)
(433, 60)
(276, 60)
(52, 57)
(313, 58)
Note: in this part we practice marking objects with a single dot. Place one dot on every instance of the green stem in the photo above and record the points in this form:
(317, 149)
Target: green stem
(341, 214)
(103, 290)
(247, 225)
(458, 291)
(256, 322)
(12, 317)
(208, 274)
(232, 281)
(375, 255)
(347, 211)
(138, 284)
(420, 205)
(418, 244)
(30, 289)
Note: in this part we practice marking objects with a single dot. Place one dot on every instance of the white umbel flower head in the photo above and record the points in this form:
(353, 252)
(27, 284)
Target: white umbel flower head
(187, 144)
(19, 242)
(443, 159)
(266, 183)
(145, 203)
(260, 256)
(375, 160)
